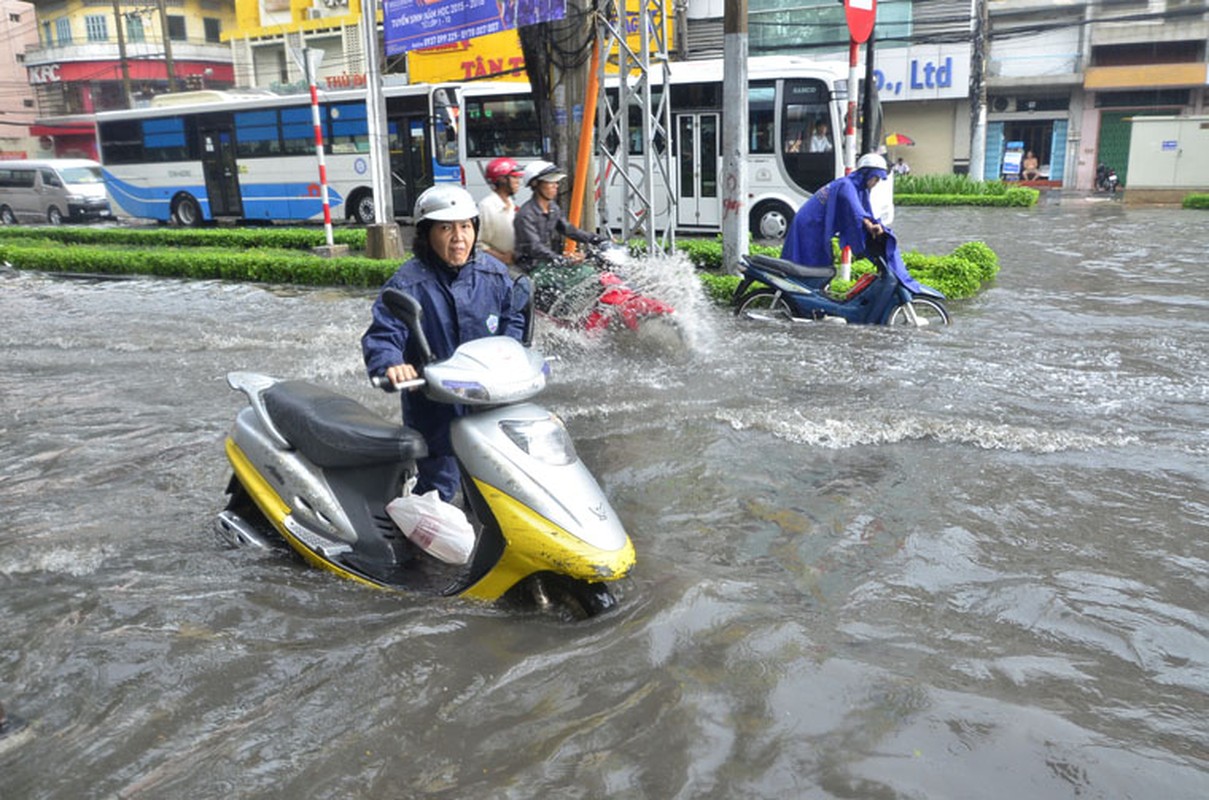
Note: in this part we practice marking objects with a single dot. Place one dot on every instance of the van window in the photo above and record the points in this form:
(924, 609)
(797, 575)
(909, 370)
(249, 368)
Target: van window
(49, 178)
(76, 176)
(16, 178)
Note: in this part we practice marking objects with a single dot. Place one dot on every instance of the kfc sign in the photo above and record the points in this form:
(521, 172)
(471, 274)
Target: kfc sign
(46, 73)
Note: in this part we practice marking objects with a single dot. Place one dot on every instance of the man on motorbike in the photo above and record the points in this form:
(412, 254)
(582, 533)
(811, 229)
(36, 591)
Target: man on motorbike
(540, 228)
(464, 295)
(841, 208)
(540, 224)
(497, 211)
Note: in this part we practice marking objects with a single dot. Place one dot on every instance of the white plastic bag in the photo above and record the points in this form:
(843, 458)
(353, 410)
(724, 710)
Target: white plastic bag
(436, 527)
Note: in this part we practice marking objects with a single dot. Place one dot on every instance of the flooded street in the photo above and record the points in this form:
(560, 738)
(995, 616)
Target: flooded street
(872, 563)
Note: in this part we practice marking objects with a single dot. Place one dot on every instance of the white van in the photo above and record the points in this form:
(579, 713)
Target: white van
(53, 191)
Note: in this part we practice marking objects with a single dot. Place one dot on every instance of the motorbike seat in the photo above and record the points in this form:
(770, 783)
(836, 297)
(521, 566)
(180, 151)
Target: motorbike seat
(336, 431)
(790, 269)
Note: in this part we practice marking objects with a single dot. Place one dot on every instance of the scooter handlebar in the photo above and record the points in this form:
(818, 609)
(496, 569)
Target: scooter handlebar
(381, 382)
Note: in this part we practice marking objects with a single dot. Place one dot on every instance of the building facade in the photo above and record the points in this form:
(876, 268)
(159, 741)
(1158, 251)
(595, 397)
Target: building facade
(1061, 77)
(100, 55)
(18, 31)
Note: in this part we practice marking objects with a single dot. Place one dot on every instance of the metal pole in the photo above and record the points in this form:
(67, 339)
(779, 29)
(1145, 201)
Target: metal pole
(734, 134)
(375, 112)
(310, 79)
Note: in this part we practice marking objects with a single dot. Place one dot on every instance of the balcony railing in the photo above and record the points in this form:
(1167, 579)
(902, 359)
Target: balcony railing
(189, 50)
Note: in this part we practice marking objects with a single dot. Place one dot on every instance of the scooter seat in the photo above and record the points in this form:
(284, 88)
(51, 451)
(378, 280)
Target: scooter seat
(336, 431)
(790, 269)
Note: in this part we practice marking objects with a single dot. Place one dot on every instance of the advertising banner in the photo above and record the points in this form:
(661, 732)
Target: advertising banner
(417, 24)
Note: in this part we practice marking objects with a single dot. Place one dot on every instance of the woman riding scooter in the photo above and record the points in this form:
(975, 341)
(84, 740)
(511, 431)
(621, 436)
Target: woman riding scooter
(464, 295)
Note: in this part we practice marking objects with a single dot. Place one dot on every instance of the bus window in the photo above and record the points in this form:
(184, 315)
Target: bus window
(501, 126)
(348, 128)
(807, 138)
(761, 107)
(121, 141)
(164, 140)
(445, 128)
(297, 132)
(257, 134)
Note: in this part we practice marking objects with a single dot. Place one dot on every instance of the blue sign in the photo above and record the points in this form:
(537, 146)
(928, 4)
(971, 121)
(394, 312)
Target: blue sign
(419, 24)
(1170, 144)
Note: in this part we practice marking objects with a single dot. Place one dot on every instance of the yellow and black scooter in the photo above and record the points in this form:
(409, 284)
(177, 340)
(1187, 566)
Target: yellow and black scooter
(317, 469)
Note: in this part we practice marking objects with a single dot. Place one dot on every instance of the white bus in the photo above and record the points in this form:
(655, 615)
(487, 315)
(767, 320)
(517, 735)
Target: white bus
(252, 157)
(788, 99)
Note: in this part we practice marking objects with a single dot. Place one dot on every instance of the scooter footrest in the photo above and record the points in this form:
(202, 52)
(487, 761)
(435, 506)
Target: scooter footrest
(790, 269)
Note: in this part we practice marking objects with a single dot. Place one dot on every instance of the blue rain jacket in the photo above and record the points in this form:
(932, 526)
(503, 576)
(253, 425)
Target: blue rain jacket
(474, 302)
(836, 209)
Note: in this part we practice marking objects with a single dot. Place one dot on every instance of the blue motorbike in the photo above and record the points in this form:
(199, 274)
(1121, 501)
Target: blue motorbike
(773, 288)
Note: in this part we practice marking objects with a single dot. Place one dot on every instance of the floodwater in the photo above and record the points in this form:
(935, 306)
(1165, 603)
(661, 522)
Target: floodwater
(970, 562)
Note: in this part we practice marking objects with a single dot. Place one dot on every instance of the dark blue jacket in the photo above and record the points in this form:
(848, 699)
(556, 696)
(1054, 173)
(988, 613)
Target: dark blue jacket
(474, 302)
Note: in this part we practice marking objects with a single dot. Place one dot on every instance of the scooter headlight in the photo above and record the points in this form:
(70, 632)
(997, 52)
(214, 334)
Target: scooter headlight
(544, 439)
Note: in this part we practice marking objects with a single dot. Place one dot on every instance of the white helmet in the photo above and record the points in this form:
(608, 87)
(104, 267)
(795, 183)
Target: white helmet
(446, 203)
(542, 171)
(872, 161)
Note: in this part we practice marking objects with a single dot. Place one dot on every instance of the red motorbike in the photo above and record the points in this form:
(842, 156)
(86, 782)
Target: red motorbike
(594, 296)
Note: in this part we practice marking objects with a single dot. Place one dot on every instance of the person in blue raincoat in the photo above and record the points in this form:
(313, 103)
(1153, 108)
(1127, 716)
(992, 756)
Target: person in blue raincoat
(841, 208)
(464, 295)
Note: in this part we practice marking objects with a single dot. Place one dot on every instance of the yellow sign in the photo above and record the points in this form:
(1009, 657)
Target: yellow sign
(498, 56)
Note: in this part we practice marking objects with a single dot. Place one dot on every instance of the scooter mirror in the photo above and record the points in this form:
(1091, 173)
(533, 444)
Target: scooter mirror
(407, 310)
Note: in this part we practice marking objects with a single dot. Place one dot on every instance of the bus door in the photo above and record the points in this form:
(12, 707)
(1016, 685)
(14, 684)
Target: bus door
(410, 165)
(697, 168)
(221, 170)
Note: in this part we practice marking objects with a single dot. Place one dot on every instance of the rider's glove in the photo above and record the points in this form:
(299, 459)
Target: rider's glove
(597, 240)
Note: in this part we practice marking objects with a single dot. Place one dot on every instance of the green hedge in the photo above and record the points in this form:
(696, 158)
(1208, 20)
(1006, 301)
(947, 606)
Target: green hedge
(1196, 201)
(198, 263)
(959, 190)
(238, 238)
(1016, 197)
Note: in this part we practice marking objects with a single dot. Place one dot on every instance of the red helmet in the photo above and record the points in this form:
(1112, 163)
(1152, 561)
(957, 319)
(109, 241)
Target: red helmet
(501, 168)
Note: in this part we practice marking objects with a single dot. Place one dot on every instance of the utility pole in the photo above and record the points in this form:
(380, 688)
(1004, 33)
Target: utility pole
(734, 133)
(118, 19)
(978, 90)
(167, 45)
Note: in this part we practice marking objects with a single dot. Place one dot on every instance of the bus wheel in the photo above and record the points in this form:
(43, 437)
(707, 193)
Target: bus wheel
(186, 212)
(54, 216)
(770, 220)
(7, 217)
(362, 207)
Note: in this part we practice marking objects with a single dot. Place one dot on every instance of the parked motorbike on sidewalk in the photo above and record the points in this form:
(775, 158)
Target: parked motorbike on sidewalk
(1106, 179)
(318, 470)
(774, 288)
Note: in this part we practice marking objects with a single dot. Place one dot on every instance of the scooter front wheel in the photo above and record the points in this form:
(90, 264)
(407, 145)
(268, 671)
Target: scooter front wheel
(763, 303)
(927, 312)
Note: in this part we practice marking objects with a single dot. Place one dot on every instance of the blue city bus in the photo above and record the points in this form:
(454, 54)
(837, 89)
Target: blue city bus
(251, 155)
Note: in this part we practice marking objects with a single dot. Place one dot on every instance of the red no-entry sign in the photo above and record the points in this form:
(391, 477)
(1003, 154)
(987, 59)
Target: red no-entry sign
(860, 14)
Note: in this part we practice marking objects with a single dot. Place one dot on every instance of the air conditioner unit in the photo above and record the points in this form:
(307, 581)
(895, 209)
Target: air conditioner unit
(316, 13)
(1002, 105)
